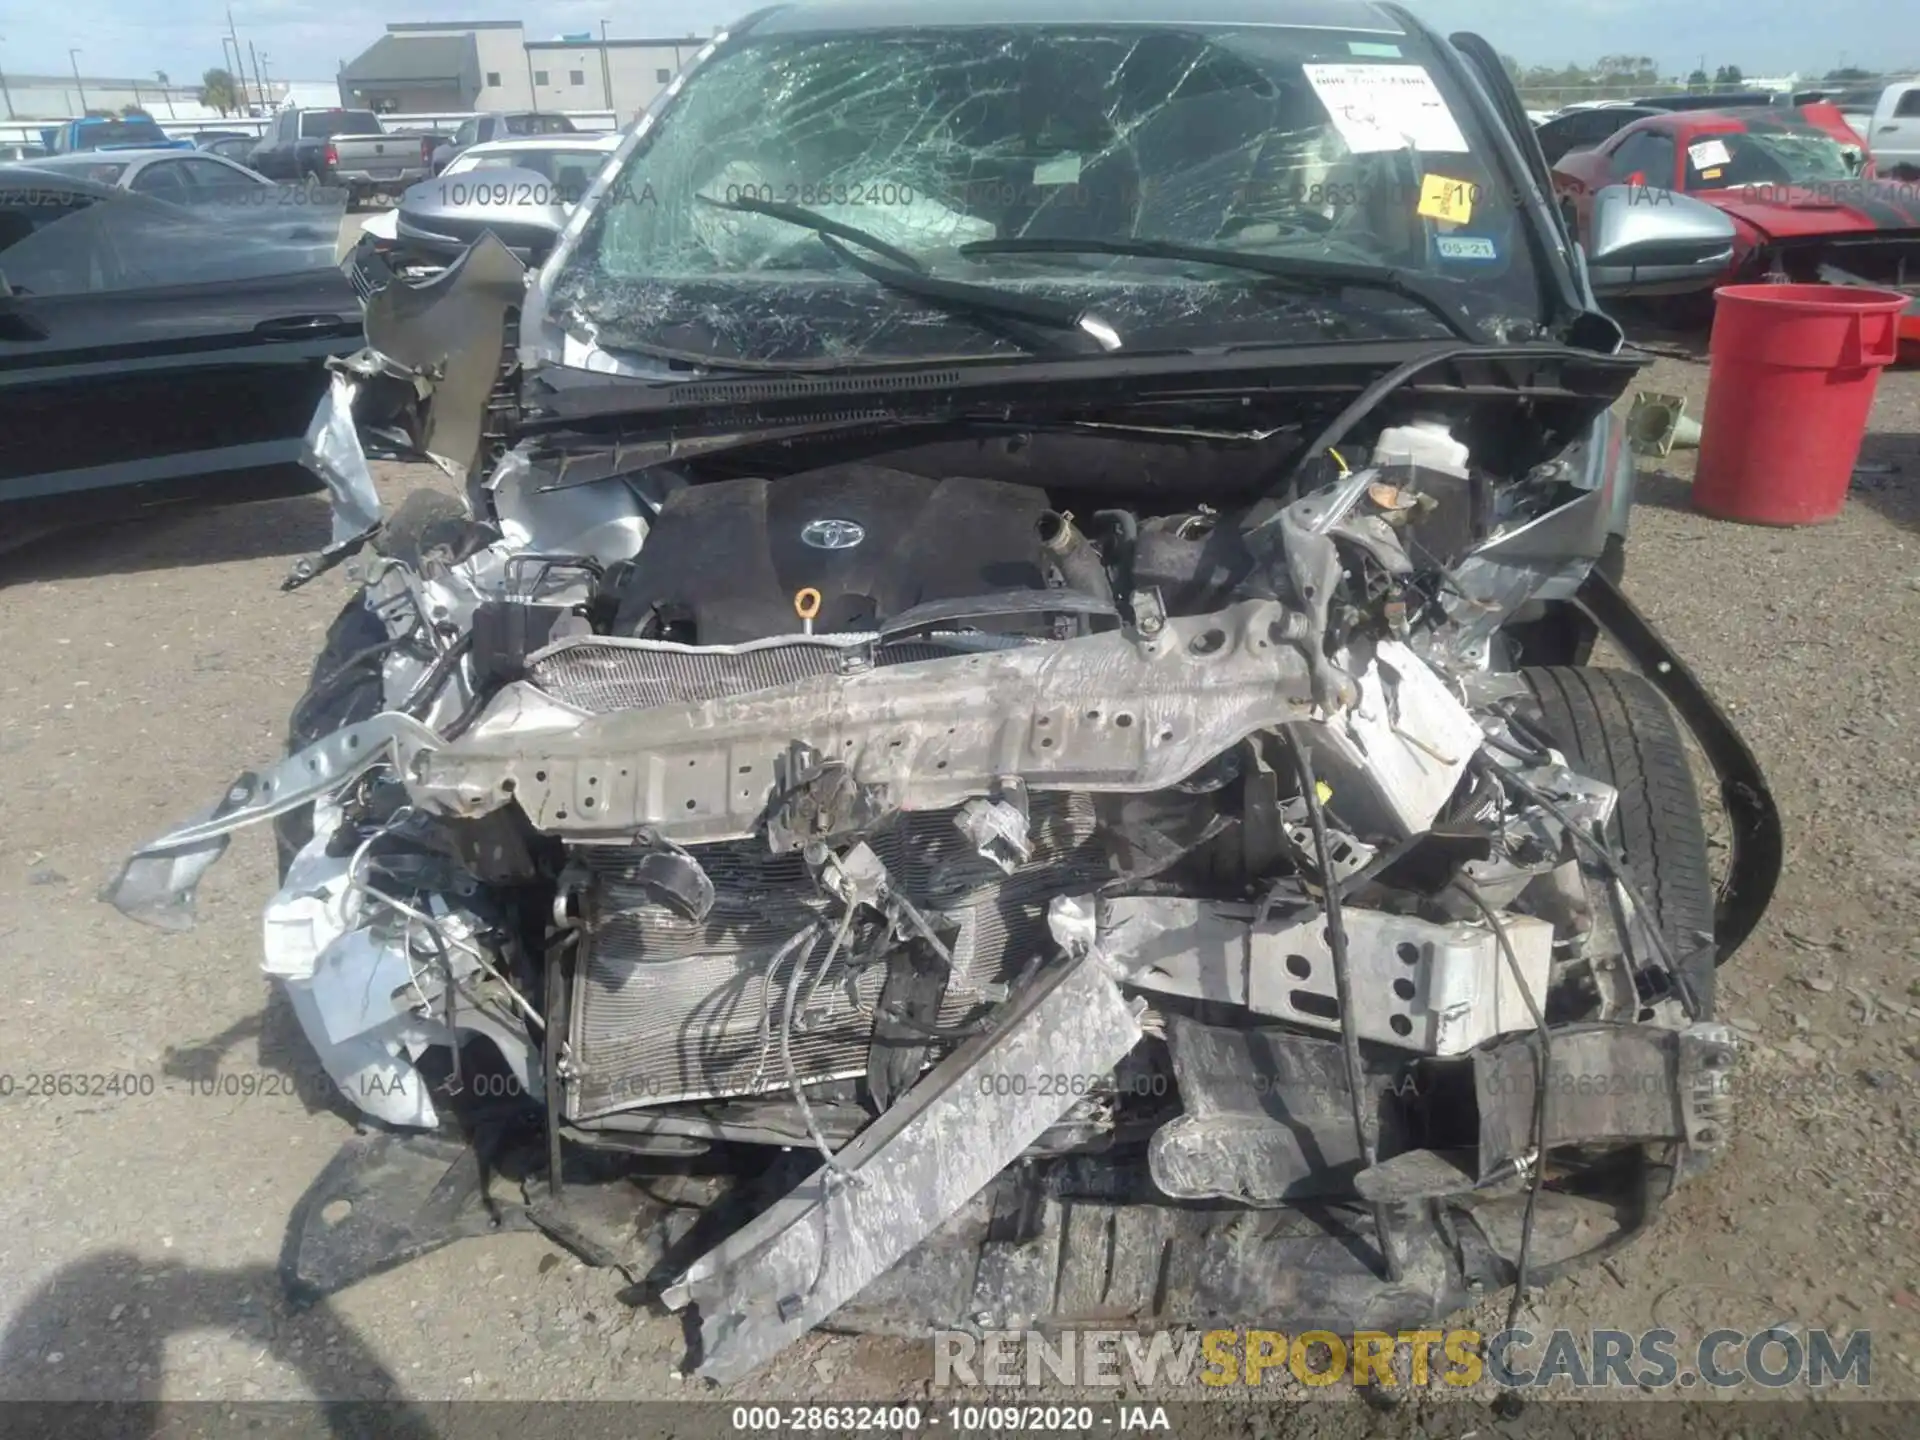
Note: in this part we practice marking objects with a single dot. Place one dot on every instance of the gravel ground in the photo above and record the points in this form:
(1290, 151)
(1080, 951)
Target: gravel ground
(151, 662)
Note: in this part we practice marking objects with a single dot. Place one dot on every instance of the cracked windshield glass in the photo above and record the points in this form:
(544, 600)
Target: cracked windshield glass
(798, 200)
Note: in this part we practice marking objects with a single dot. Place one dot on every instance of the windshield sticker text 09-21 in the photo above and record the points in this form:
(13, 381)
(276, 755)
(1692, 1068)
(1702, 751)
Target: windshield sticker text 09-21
(1465, 247)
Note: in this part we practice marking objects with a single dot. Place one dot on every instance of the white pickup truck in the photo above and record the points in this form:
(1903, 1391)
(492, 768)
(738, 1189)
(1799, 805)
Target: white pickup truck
(1893, 132)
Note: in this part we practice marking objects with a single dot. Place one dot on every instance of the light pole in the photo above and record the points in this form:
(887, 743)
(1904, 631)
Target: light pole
(267, 71)
(227, 52)
(258, 87)
(239, 64)
(73, 56)
(166, 93)
(6, 94)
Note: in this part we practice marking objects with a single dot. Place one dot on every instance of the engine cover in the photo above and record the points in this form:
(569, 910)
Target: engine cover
(724, 561)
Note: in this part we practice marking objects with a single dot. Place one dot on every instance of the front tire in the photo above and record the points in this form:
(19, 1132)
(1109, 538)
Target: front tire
(1616, 727)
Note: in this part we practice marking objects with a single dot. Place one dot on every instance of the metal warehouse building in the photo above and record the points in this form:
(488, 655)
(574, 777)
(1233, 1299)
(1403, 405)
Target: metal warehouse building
(465, 65)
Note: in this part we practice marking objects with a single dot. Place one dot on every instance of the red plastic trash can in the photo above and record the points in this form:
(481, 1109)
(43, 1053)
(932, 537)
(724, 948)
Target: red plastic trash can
(1793, 373)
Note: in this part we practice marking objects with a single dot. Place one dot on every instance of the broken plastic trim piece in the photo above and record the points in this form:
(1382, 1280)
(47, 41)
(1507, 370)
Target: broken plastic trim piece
(332, 451)
(449, 332)
(156, 885)
(938, 1147)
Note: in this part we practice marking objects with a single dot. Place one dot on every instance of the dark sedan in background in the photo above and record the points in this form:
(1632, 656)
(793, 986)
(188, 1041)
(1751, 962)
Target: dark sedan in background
(152, 353)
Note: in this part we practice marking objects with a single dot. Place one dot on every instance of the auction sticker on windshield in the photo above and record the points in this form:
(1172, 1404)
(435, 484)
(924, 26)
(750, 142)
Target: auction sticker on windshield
(1444, 198)
(1386, 107)
(1708, 153)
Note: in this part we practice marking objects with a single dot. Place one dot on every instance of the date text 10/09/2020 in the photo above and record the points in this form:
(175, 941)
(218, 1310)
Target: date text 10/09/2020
(956, 1419)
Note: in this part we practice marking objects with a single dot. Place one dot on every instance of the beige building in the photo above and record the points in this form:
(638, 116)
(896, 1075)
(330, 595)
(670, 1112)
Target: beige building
(468, 65)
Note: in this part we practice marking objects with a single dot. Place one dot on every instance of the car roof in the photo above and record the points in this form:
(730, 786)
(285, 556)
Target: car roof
(1733, 119)
(81, 159)
(580, 140)
(816, 16)
(22, 175)
(1697, 100)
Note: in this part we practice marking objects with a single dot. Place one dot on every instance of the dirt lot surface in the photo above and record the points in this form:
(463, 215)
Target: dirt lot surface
(139, 1231)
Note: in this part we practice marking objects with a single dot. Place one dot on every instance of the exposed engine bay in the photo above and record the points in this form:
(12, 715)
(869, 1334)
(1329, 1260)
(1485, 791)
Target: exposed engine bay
(978, 862)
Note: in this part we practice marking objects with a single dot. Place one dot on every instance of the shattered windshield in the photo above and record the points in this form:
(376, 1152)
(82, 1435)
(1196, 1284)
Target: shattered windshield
(1766, 157)
(1309, 144)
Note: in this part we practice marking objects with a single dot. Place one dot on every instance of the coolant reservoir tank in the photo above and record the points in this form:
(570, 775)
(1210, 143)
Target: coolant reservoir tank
(1421, 442)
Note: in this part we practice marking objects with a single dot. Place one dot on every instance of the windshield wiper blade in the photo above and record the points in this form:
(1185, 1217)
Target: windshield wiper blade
(980, 299)
(909, 276)
(815, 221)
(1301, 269)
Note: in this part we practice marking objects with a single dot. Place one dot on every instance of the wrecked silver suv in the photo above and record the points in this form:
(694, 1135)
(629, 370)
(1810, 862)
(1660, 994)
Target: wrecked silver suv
(1003, 732)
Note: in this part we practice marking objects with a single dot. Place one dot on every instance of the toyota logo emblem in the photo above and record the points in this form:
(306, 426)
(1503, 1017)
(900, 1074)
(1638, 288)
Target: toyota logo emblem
(832, 534)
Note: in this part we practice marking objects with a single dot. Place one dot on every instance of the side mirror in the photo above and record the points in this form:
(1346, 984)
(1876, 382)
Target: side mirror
(1655, 242)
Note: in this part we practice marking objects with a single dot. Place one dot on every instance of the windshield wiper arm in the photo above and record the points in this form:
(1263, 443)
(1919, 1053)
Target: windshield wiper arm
(1302, 269)
(910, 277)
(980, 299)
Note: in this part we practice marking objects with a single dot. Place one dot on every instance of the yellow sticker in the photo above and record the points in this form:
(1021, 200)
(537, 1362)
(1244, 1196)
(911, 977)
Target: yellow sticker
(1710, 174)
(1442, 198)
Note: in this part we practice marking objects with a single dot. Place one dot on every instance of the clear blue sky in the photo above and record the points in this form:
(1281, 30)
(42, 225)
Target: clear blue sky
(307, 39)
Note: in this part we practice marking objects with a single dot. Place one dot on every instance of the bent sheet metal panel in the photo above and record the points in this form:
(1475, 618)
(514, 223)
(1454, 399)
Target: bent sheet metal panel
(1105, 712)
(801, 1259)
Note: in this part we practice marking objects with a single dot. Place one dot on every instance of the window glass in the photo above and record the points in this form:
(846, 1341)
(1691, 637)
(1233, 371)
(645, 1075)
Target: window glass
(1278, 142)
(1765, 157)
(73, 244)
(1648, 156)
(163, 181)
(324, 124)
(211, 180)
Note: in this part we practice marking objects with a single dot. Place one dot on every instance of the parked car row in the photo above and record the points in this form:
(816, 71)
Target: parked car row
(1882, 125)
(172, 278)
(1803, 208)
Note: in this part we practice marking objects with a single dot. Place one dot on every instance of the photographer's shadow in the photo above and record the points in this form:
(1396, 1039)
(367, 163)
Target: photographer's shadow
(97, 1332)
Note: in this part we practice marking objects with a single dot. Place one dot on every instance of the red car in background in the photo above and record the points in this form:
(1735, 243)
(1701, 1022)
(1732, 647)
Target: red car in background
(1801, 209)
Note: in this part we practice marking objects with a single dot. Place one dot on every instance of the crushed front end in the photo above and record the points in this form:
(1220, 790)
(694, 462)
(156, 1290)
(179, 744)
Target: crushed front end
(856, 889)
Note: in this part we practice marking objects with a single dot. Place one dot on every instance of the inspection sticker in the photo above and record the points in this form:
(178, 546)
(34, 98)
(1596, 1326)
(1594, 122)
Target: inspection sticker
(1061, 170)
(1707, 153)
(1386, 107)
(1443, 198)
(1465, 247)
